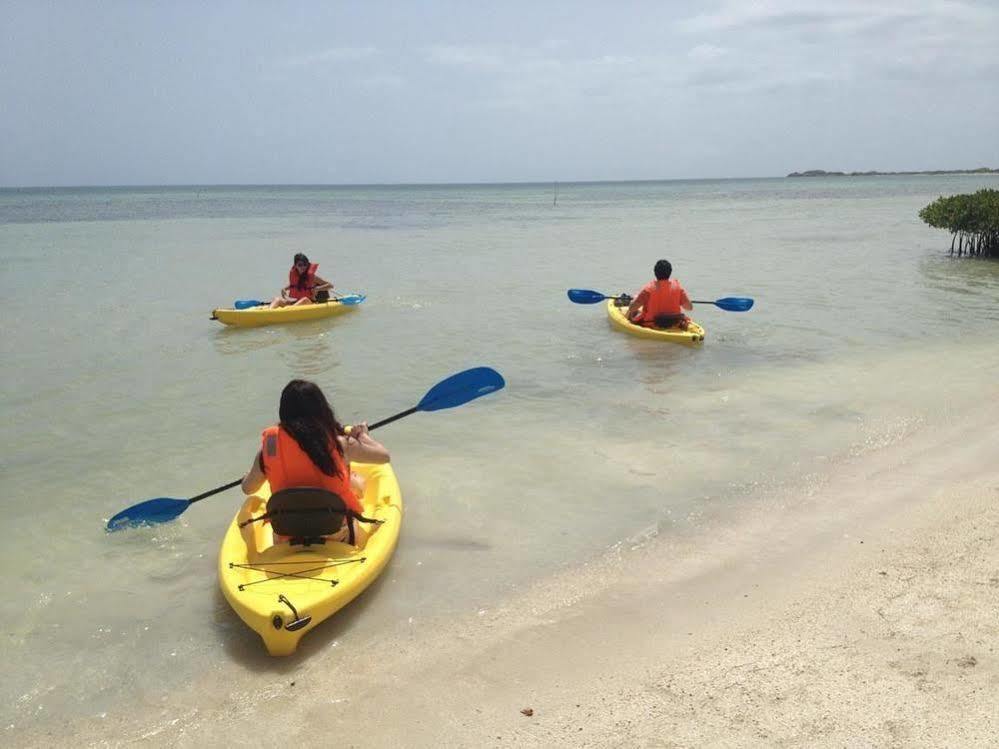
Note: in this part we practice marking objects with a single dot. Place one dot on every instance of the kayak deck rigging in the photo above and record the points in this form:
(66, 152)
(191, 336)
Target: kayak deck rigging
(300, 574)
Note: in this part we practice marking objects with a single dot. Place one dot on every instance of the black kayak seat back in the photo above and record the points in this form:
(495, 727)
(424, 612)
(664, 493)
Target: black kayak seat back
(668, 321)
(306, 514)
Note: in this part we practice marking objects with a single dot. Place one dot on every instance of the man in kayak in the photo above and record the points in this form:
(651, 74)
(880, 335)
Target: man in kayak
(309, 448)
(304, 286)
(660, 303)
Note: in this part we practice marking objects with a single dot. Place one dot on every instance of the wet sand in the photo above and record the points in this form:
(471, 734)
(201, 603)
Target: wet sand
(856, 608)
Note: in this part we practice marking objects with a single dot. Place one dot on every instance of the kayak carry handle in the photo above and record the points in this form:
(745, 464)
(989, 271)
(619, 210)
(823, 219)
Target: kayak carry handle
(299, 621)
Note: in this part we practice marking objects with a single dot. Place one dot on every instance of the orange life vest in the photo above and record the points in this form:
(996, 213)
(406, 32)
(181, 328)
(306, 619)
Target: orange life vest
(287, 466)
(664, 298)
(305, 290)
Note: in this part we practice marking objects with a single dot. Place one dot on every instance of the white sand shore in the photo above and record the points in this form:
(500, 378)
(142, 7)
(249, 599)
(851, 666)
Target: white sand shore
(858, 609)
(864, 615)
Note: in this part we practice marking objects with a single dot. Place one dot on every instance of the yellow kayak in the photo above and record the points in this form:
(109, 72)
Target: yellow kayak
(283, 591)
(263, 315)
(692, 336)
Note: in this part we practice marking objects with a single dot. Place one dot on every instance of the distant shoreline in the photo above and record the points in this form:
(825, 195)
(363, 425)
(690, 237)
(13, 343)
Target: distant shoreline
(823, 173)
(547, 184)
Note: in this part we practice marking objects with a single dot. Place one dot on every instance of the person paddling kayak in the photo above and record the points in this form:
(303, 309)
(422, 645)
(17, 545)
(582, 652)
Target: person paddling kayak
(304, 286)
(309, 448)
(660, 303)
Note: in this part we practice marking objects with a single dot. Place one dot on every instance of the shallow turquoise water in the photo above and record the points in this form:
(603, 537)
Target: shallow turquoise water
(118, 388)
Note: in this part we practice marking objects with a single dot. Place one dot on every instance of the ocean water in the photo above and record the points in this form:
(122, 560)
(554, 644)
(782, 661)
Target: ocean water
(117, 388)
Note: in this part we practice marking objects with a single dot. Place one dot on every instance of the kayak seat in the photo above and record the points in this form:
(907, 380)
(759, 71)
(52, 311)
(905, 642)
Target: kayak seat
(665, 322)
(308, 514)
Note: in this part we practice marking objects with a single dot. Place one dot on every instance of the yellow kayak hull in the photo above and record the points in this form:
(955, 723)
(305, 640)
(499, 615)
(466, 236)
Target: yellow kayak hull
(692, 336)
(274, 586)
(254, 317)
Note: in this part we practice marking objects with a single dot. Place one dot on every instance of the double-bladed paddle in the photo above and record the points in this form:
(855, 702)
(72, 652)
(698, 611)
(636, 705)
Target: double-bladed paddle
(348, 300)
(456, 390)
(729, 303)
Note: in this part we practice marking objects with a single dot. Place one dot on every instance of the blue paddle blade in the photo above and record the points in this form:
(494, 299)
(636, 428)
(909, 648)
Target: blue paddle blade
(247, 303)
(160, 510)
(461, 388)
(585, 296)
(351, 299)
(735, 304)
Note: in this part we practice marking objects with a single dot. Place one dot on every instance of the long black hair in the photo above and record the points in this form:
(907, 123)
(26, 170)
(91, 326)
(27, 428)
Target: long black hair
(307, 416)
(302, 277)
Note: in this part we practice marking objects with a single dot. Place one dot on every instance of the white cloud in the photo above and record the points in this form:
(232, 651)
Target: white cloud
(332, 55)
(793, 14)
(522, 78)
(515, 60)
(477, 57)
(775, 44)
(843, 17)
(706, 52)
(382, 81)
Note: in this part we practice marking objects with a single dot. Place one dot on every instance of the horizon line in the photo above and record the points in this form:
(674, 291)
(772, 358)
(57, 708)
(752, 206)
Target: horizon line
(522, 183)
(484, 183)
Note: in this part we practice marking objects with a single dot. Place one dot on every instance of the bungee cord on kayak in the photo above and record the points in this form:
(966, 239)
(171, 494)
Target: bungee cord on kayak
(301, 574)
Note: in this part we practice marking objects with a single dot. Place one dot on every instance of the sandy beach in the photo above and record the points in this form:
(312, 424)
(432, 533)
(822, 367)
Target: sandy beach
(862, 615)
(856, 610)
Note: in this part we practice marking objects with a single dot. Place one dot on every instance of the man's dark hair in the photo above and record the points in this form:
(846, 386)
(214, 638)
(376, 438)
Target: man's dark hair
(663, 270)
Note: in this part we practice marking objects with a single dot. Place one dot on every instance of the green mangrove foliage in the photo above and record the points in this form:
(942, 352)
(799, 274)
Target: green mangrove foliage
(972, 220)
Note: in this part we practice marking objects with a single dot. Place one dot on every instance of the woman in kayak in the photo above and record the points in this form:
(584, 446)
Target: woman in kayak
(660, 303)
(310, 448)
(304, 286)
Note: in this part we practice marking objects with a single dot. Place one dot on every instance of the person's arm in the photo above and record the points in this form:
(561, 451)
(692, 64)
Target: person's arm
(322, 285)
(640, 299)
(685, 300)
(359, 447)
(255, 477)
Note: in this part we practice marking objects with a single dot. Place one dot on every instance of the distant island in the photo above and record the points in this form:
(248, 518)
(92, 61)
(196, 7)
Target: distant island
(824, 173)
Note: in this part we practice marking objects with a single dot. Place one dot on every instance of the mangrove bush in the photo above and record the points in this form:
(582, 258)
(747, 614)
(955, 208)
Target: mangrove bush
(972, 220)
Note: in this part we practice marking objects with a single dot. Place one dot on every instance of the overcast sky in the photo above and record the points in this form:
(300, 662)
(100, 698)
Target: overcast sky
(135, 92)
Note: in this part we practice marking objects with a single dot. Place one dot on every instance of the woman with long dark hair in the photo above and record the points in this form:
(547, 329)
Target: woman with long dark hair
(304, 285)
(310, 448)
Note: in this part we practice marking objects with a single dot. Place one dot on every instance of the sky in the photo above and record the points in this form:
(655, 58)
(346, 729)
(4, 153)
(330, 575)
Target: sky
(138, 92)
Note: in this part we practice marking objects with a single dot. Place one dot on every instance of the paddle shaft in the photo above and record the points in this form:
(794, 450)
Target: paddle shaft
(729, 304)
(692, 301)
(247, 303)
(390, 419)
(214, 491)
(231, 484)
(724, 304)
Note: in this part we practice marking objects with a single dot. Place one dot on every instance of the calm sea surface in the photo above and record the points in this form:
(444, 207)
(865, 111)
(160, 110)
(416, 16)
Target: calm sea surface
(118, 388)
